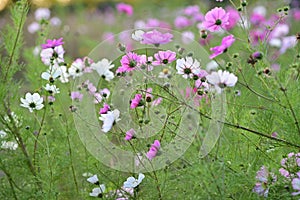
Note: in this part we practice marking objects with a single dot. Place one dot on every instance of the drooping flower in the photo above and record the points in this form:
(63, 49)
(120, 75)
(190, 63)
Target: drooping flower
(129, 62)
(76, 96)
(52, 43)
(103, 68)
(221, 79)
(136, 101)
(93, 179)
(226, 43)
(187, 67)
(129, 134)
(125, 8)
(52, 55)
(164, 57)
(216, 19)
(137, 35)
(98, 191)
(109, 119)
(52, 89)
(132, 182)
(156, 38)
(153, 150)
(105, 109)
(32, 102)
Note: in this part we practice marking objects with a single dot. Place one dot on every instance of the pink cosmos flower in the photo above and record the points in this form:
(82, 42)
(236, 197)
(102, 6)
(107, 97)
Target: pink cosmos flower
(135, 102)
(296, 15)
(191, 10)
(216, 19)
(105, 92)
(97, 98)
(91, 88)
(153, 150)
(226, 43)
(257, 19)
(129, 62)
(234, 17)
(157, 101)
(52, 43)
(130, 134)
(105, 109)
(156, 38)
(182, 22)
(296, 185)
(284, 172)
(262, 186)
(149, 95)
(125, 8)
(164, 57)
(77, 96)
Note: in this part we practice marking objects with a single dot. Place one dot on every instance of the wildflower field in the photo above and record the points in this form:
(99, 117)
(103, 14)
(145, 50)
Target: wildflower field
(184, 100)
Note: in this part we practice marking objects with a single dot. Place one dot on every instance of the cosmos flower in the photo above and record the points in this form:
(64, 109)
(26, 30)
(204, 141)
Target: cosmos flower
(109, 119)
(105, 109)
(187, 67)
(137, 35)
(124, 8)
(130, 134)
(52, 89)
(103, 69)
(156, 38)
(76, 96)
(164, 57)
(32, 102)
(132, 182)
(153, 150)
(52, 55)
(52, 43)
(226, 43)
(129, 62)
(221, 79)
(136, 101)
(98, 191)
(216, 19)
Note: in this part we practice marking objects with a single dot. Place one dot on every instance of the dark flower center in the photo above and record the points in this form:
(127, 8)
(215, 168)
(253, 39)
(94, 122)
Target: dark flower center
(222, 85)
(55, 54)
(165, 61)
(77, 70)
(218, 22)
(32, 105)
(187, 71)
(132, 63)
(103, 76)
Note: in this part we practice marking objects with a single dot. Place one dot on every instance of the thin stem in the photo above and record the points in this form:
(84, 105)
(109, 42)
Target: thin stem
(10, 180)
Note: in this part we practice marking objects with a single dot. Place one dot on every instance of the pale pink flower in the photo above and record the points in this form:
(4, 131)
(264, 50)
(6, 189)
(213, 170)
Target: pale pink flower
(182, 22)
(130, 134)
(164, 57)
(153, 150)
(156, 38)
(77, 96)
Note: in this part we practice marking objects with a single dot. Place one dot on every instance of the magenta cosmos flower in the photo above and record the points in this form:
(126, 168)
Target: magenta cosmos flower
(129, 62)
(164, 57)
(125, 8)
(155, 37)
(153, 150)
(136, 101)
(216, 19)
(105, 109)
(53, 43)
(226, 43)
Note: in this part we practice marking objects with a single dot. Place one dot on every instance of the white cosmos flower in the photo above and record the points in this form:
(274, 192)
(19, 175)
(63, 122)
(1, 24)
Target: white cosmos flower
(52, 75)
(221, 79)
(9, 145)
(138, 35)
(76, 68)
(56, 53)
(103, 68)
(187, 67)
(52, 89)
(132, 182)
(93, 179)
(3, 134)
(32, 102)
(109, 119)
(97, 192)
